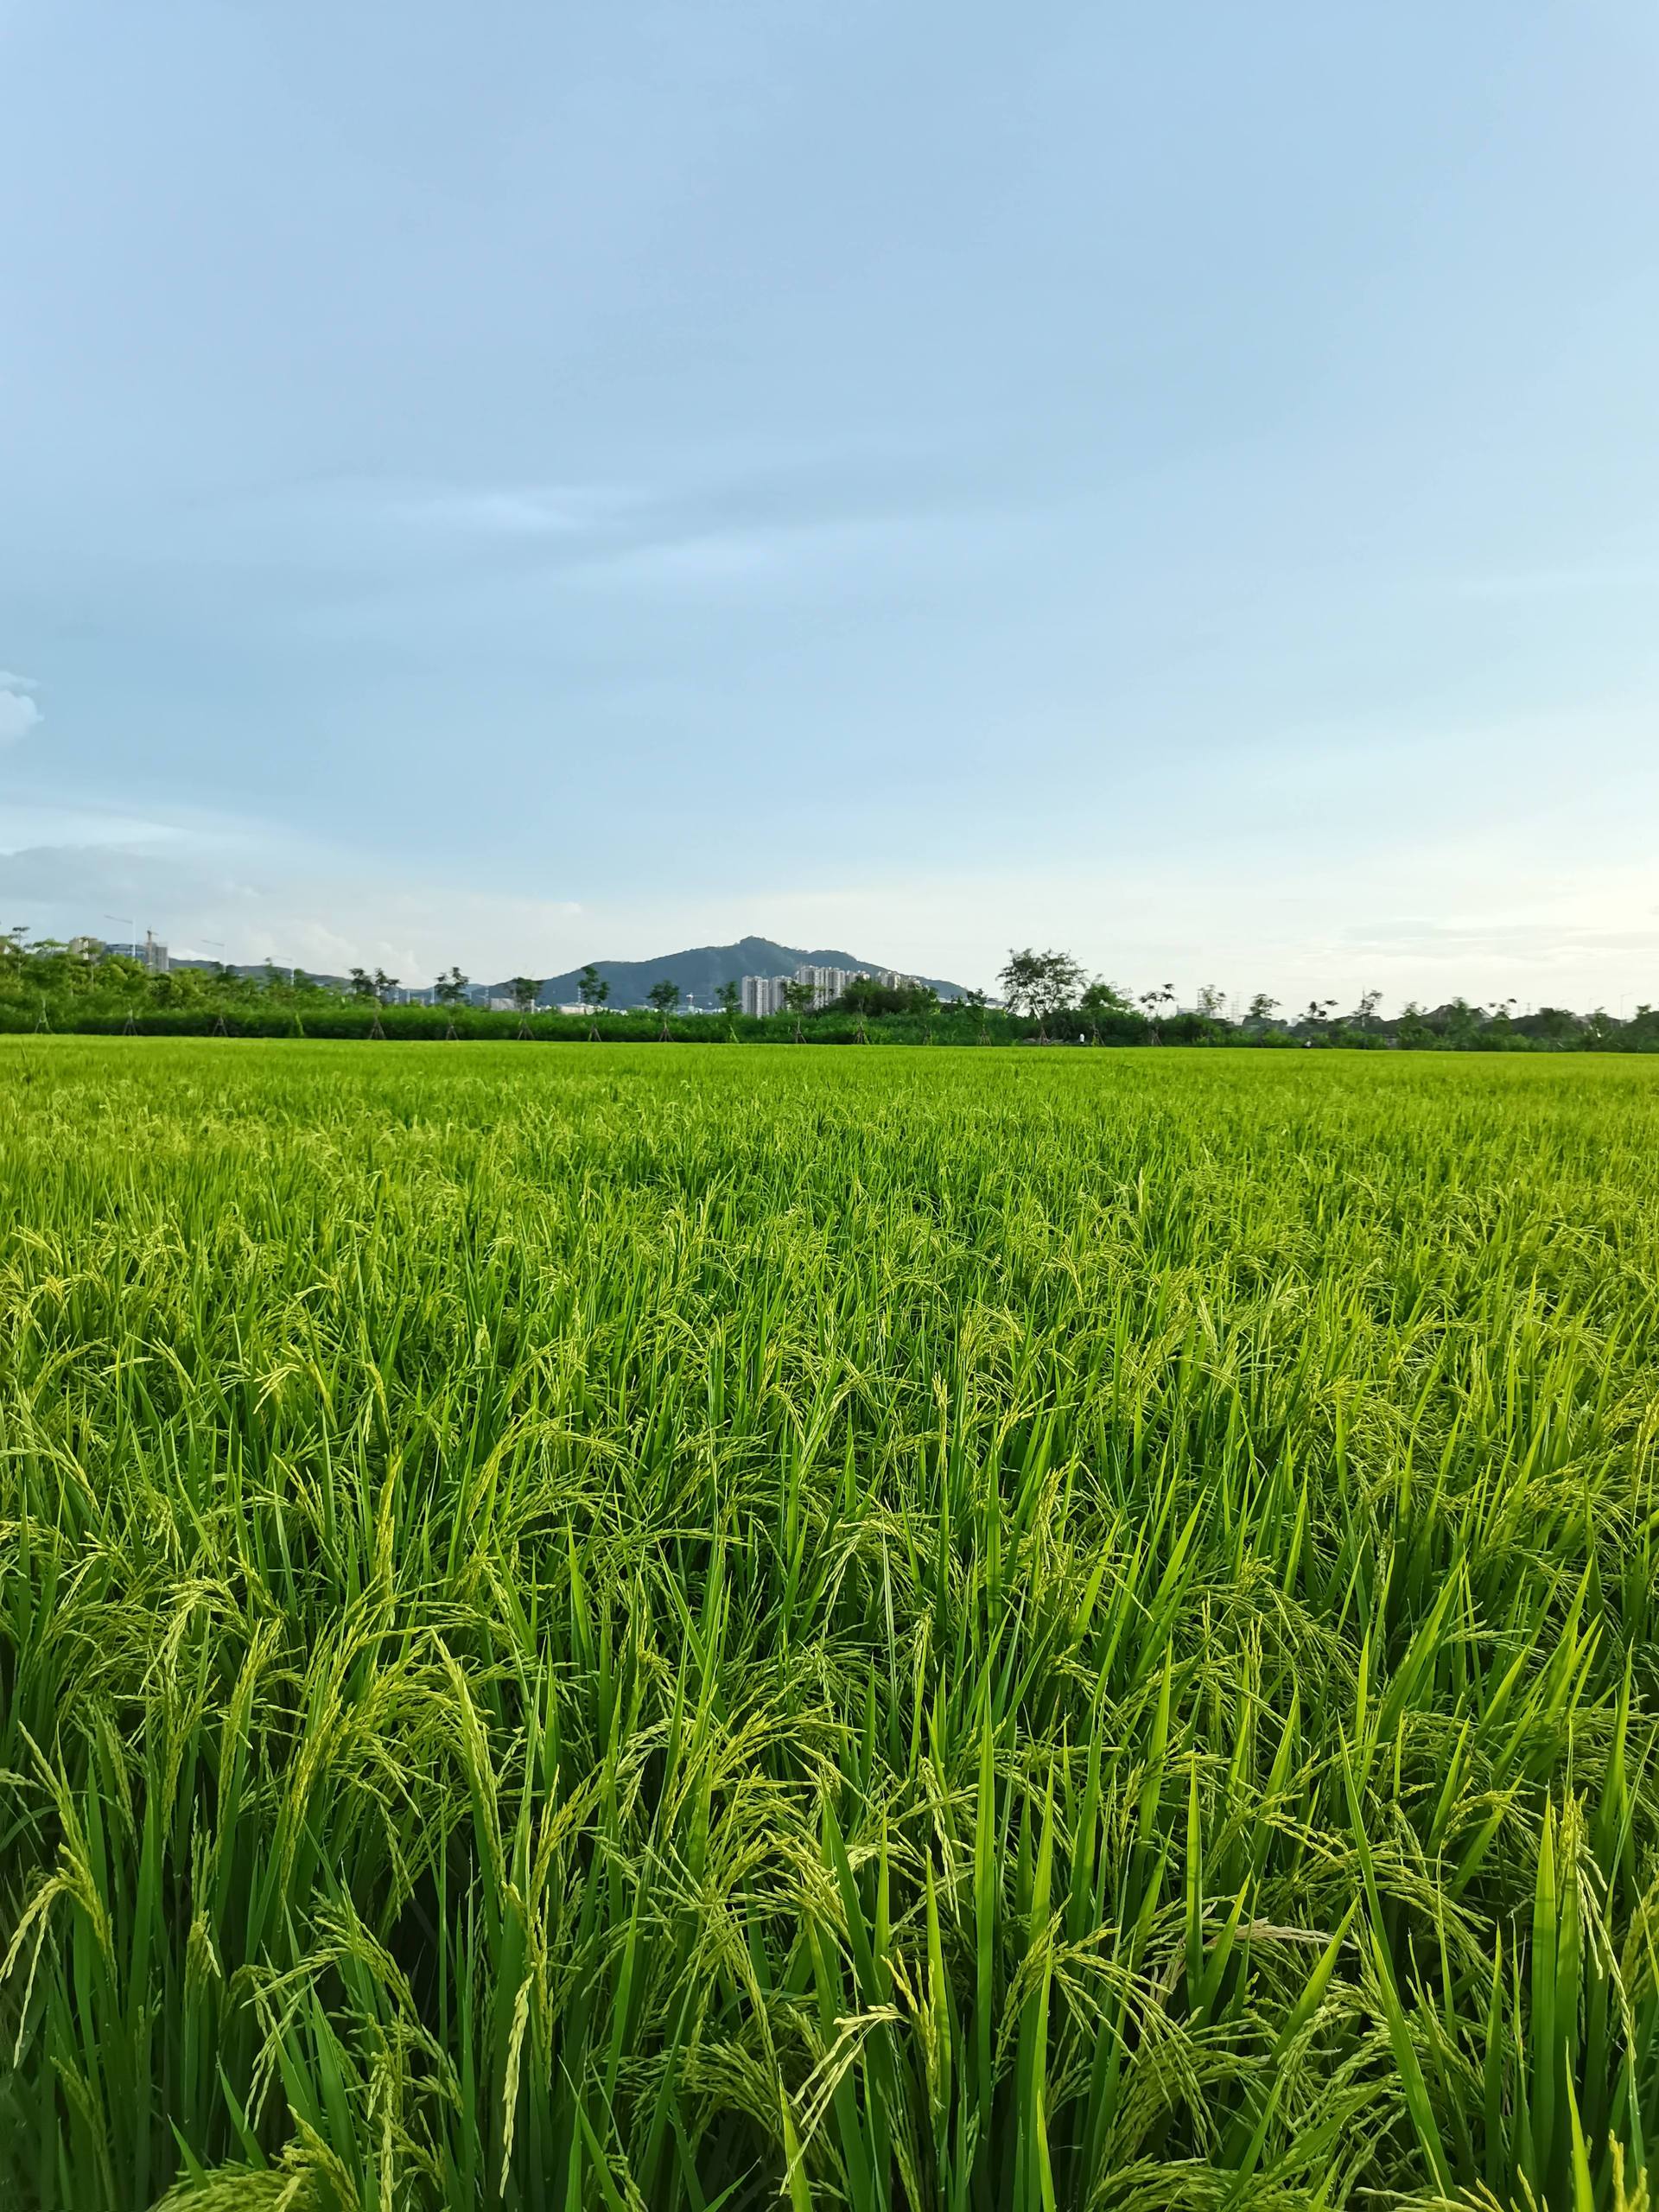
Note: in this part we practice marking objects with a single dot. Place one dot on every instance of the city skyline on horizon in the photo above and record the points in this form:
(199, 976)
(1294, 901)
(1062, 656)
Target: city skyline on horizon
(1235, 1000)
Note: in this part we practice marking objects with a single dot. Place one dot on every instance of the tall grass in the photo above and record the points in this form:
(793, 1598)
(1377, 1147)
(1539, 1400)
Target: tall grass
(701, 1630)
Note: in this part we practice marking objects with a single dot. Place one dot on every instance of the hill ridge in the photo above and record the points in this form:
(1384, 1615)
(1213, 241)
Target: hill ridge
(701, 970)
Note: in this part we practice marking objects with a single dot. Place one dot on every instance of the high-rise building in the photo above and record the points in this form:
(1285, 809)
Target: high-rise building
(151, 954)
(826, 983)
(764, 994)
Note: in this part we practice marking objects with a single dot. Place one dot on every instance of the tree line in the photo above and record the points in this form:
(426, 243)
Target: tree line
(1045, 998)
(1055, 992)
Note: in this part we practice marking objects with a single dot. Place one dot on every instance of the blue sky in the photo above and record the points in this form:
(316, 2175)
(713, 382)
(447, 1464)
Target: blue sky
(512, 484)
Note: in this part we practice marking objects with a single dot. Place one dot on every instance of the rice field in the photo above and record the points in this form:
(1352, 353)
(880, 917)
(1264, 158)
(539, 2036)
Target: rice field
(699, 1629)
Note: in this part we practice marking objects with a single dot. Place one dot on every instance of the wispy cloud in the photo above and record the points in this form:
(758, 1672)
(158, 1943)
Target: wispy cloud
(559, 511)
(1422, 917)
(845, 552)
(27, 823)
(199, 880)
(1560, 582)
(18, 712)
(718, 535)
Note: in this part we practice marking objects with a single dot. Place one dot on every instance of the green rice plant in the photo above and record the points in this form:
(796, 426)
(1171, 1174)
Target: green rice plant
(973, 1630)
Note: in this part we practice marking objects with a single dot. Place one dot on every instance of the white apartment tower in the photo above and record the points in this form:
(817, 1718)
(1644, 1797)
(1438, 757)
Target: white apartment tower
(764, 994)
(826, 983)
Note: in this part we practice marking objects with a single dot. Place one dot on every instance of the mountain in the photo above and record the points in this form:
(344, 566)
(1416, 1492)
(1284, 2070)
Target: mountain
(701, 971)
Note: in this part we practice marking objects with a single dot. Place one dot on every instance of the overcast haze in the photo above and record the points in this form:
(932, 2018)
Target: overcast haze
(510, 484)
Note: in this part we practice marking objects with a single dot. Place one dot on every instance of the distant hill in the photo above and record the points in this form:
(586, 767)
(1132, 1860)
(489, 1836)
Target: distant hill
(701, 971)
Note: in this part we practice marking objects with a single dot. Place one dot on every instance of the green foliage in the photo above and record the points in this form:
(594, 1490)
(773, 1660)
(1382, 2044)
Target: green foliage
(71, 987)
(703, 1630)
(1042, 982)
(591, 987)
(866, 996)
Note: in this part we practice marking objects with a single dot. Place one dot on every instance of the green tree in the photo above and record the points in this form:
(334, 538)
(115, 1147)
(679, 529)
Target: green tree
(663, 996)
(1102, 1001)
(730, 995)
(450, 989)
(1043, 982)
(797, 997)
(523, 990)
(177, 987)
(1102, 998)
(116, 972)
(361, 983)
(864, 995)
(1154, 1003)
(591, 987)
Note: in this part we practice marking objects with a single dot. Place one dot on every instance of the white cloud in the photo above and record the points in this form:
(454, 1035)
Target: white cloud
(521, 510)
(1484, 916)
(18, 712)
(849, 552)
(27, 823)
(201, 883)
(1553, 583)
(1540, 887)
